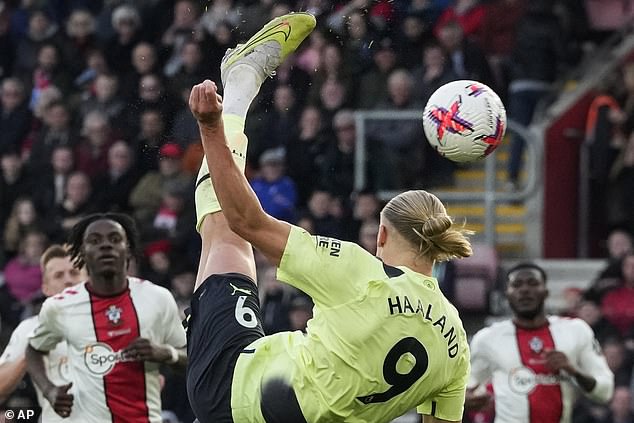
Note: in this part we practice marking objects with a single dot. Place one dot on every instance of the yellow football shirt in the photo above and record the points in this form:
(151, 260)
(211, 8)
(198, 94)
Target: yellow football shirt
(383, 340)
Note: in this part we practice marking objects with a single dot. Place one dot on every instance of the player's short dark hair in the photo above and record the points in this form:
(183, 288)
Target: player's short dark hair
(76, 236)
(527, 265)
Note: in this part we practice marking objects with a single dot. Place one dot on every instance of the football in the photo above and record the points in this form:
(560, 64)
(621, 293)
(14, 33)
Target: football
(464, 120)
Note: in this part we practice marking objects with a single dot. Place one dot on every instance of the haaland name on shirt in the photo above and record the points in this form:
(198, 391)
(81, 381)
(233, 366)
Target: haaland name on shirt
(403, 305)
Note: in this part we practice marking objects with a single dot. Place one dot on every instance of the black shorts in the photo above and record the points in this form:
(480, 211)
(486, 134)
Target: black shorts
(224, 318)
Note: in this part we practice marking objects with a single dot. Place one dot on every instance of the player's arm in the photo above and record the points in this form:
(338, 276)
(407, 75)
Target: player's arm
(11, 373)
(592, 374)
(12, 361)
(476, 397)
(44, 338)
(143, 349)
(57, 396)
(168, 344)
(240, 205)
(37, 369)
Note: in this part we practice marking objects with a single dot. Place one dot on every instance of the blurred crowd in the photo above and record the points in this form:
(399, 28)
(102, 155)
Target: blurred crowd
(94, 116)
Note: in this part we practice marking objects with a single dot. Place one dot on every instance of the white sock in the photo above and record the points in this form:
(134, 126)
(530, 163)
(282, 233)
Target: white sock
(241, 87)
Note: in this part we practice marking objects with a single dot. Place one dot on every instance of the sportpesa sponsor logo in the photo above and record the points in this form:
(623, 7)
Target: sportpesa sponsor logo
(523, 380)
(100, 358)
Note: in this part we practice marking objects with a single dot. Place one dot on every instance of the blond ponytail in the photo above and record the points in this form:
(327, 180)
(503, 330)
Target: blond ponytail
(422, 220)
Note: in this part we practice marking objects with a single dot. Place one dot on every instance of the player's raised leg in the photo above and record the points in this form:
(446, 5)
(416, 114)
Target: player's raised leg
(243, 71)
(225, 315)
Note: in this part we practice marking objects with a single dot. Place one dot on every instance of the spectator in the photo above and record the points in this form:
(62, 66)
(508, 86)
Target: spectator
(618, 361)
(337, 167)
(118, 181)
(156, 262)
(373, 84)
(399, 140)
(184, 25)
(191, 70)
(318, 211)
(219, 13)
(435, 71)
(50, 189)
(274, 189)
(182, 286)
(358, 39)
(309, 57)
(468, 14)
(304, 151)
(96, 65)
(365, 208)
(80, 40)
(76, 205)
(144, 62)
(22, 274)
(331, 67)
(300, 312)
(152, 95)
(276, 302)
(619, 244)
(215, 46)
(150, 139)
(465, 56)
(621, 408)
(185, 130)
(617, 304)
(367, 235)
(15, 116)
(7, 44)
(92, 151)
(291, 75)
(279, 125)
(412, 35)
(146, 196)
(104, 99)
(22, 220)
(590, 312)
(537, 58)
(621, 185)
(49, 70)
(41, 30)
(497, 37)
(57, 131)
(333, 96)
(174, 219)
(127, 24)
(14, 182)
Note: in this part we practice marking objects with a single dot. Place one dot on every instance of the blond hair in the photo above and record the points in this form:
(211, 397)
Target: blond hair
(422, 220)
(53, 252)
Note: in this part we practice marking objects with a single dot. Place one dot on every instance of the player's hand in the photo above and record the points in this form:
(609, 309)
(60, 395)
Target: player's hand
(60, 399)
(557, 361)
(142, 349)
(206, 104)
(476, 400)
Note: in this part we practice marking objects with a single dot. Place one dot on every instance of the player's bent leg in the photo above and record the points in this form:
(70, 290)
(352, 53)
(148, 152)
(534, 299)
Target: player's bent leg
(243, 70)
(225, 312)
(236, 256)
(224, 251)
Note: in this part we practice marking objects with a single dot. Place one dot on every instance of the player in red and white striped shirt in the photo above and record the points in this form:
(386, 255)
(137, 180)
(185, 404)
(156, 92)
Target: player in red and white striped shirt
(538, 364)
(118, 331)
